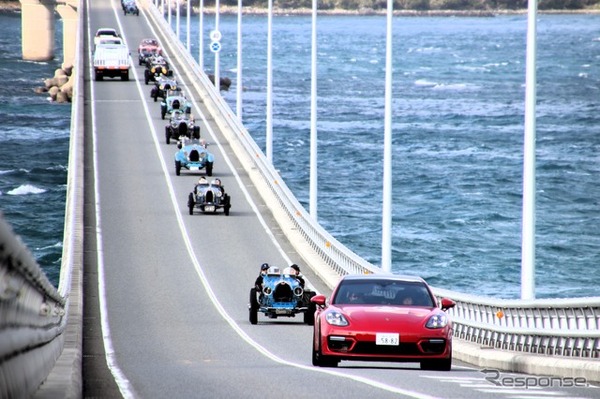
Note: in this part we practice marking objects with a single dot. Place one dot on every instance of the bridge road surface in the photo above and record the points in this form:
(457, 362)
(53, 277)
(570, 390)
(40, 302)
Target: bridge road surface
(171, 290)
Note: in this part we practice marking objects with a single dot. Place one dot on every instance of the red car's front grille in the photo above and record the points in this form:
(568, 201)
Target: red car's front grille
(404, 349)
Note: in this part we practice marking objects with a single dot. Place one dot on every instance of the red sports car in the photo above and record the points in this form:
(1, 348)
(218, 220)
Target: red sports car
(382, 317)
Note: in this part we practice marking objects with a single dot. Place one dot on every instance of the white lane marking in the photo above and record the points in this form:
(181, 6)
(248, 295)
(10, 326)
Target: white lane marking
(120, 379)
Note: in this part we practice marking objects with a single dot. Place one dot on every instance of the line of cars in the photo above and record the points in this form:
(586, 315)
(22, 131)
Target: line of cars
(374, 317)
(192, 153)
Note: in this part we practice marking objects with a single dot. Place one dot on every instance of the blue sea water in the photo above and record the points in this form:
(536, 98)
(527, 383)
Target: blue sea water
(34, 148)
(458, 104)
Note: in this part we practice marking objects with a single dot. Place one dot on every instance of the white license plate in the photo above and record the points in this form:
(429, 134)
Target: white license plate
(387, 339)
(194, 168)
(209, 208)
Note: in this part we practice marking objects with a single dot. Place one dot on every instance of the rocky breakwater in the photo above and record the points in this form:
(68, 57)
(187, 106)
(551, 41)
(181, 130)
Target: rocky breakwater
(59, 87)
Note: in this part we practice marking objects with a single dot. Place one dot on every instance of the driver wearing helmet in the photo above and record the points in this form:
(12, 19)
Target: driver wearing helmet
(217, 183)
(296, 274)
(259, 280)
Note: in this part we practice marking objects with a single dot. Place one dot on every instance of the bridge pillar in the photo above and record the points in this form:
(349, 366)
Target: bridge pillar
(37, 30)
(68, 14)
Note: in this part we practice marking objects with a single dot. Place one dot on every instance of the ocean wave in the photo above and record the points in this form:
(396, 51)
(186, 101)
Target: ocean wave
(26, 189)
(456, 86)
(425, 83)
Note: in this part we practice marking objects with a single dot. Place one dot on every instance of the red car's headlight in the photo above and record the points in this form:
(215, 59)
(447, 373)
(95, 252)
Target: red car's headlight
(437, 321)
(335, 318)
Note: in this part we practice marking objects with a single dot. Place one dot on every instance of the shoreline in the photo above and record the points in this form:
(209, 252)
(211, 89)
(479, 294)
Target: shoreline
(383, 12)
(15, 6)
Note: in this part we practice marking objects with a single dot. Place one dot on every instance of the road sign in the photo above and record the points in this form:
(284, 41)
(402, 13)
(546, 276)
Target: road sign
(215, 35)
(215, 47)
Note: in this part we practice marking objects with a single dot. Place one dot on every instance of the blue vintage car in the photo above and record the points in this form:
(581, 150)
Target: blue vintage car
(175, 100)
(193, 156)
(209, 197)
(281, 295)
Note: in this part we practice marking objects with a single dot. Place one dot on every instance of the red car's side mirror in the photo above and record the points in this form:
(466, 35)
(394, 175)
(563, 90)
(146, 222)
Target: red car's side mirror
(319, 300)
(447, 303)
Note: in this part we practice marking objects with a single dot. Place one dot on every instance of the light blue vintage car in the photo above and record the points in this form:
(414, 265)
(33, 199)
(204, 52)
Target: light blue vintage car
(175, 100)
(281, 295)
(193, 156)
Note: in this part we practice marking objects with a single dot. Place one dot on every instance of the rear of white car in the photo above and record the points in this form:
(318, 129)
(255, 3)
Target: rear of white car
(111, 60)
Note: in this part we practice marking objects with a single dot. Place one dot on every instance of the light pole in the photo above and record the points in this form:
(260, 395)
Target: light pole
(528, 223)
(238, 91)
(177, 20)
(217, 59)
(313, 194)
(201, 36)
(169, 14)
(386, 247)
(269, 139)
(187, 26)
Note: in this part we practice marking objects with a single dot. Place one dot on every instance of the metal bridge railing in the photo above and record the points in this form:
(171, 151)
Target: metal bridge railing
(32, 318)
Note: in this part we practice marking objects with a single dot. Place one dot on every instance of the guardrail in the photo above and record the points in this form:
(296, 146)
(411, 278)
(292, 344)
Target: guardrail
(565, 327)
(32, 318)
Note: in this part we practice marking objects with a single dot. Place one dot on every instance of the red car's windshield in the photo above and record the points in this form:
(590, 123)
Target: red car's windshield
(383, 292)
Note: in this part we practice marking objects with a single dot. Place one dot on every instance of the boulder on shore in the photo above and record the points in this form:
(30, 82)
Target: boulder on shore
(225, 82)
(59, 87)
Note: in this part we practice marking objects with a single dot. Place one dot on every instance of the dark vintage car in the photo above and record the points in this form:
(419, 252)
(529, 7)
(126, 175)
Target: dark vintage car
(281, 295)
(382, 317)
(181, 125)
(130, 7)
(193, 156)
(209, 197)
(163, 87)
(156, 66)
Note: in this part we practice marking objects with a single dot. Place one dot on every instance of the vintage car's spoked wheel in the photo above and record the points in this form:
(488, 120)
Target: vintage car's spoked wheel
(177, 168)
(318, 359)
(197, 132)
(253, 307)
(191, 203)
(439, 365)
(209, 168)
